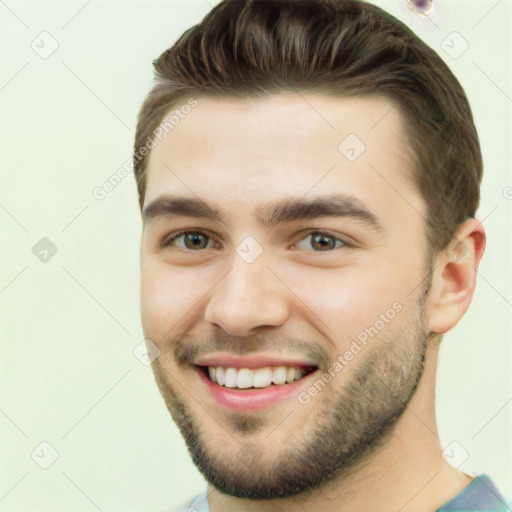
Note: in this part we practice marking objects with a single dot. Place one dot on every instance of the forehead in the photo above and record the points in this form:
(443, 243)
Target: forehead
(238, 150)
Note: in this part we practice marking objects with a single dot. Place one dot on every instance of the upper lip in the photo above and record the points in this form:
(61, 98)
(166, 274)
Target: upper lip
(226, 360)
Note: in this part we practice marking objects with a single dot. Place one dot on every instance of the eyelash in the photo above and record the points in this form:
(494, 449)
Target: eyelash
(169, 240)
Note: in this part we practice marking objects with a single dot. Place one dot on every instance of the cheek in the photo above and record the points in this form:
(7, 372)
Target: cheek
(166, 296)
(348, 300)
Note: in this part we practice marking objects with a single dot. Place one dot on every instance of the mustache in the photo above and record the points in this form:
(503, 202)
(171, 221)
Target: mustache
(187, 351)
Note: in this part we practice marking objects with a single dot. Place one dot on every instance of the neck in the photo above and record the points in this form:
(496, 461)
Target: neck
(406, 474)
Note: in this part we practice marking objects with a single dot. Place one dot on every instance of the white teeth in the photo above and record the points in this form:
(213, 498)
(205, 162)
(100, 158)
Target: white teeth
(290, 374)
(244, 378)
(262, 377)
(279, 375)
(219, 374)
(230, 378)
(299, 373)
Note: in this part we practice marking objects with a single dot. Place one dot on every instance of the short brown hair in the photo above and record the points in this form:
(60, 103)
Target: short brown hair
(255, 48)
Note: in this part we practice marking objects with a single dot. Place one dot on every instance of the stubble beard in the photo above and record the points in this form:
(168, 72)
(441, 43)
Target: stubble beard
(345, 426)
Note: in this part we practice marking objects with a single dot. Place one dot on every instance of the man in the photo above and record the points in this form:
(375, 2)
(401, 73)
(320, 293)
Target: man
(308, 173)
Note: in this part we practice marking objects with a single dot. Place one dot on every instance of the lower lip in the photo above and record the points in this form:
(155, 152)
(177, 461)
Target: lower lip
(243, 400)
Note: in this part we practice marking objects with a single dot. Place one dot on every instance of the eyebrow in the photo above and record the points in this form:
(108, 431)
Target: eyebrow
(269, 214)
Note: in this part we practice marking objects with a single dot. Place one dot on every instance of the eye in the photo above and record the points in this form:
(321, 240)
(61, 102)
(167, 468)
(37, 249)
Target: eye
(197, 240)
(324, 242)
(192, 240)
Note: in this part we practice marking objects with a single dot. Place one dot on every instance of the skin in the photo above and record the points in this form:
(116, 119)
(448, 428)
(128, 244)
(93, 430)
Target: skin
(238, 154)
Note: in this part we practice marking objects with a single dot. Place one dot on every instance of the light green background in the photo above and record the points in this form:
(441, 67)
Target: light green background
(69, 326)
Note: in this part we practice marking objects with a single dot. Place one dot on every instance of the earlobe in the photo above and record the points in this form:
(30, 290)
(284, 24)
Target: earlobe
(454, 277)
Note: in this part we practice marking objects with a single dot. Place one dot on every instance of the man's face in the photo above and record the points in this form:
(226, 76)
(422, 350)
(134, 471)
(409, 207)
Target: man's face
(334, 299)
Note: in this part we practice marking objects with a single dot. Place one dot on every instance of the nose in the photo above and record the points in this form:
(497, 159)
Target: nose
(249, 296)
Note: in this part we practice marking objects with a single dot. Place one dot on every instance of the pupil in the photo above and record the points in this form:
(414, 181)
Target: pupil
(195, 239)
(323, 240)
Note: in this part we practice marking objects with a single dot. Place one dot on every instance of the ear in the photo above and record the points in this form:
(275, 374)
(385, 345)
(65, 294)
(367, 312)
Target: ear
(454, 277)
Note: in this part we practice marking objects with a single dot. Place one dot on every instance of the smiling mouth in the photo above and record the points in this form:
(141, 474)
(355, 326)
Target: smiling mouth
(255, 378)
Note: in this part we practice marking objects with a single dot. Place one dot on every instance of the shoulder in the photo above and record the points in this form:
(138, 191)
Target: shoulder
(198, 504)
(481, 494)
